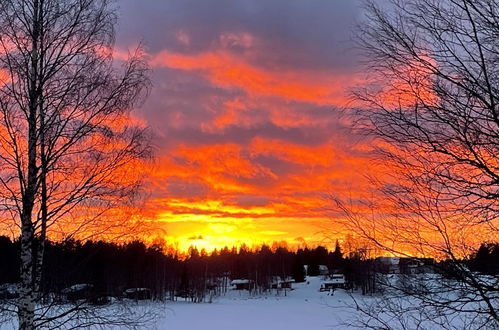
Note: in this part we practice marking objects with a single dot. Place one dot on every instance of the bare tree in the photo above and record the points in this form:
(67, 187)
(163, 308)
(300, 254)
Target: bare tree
(68, 150)
(432, 109)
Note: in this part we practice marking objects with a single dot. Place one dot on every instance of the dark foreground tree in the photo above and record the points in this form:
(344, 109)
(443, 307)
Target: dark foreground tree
(67, 148)
(432, 109)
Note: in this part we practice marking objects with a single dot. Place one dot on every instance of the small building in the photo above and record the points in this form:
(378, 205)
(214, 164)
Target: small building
(323, 270)
(387, 265)
(316, 270)
(287, 284)
(416, 265)
(283, 284)
(138, 293)
(336, 281)
(82, 291)
(241, 284)
(409, 266)
(404, 265)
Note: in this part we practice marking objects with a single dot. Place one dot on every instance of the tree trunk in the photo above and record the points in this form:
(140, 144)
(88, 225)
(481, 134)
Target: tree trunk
(27, 298)
(26, 308)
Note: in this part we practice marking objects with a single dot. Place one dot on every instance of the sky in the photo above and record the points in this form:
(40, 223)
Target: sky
(247, 109)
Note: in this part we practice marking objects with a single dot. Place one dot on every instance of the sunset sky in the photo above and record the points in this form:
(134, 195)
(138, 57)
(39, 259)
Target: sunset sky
(245, 108)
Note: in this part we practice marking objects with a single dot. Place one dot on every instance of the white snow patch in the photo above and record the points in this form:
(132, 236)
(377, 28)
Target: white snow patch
(304, 307)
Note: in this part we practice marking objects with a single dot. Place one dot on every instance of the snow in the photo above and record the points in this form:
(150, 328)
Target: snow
(304, 307)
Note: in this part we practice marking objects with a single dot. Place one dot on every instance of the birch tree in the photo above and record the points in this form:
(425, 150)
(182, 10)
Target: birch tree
(68, 150)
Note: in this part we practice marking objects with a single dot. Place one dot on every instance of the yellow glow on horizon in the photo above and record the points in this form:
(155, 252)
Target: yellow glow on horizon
(213, 225)
(219, 206)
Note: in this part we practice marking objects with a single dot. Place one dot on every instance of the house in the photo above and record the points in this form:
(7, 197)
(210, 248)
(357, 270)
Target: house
(407, 265)
(283, 284)
(387, 265)
(314, 270)
(416, 265)
(335, 281)
(323, 270)
(82, 291)
(242, 284)
(287, 284)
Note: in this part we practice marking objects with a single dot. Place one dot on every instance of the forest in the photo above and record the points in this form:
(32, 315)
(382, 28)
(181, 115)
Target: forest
(98, 271)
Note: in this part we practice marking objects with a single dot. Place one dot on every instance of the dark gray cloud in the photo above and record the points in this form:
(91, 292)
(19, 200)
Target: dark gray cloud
(250, 200)
(292, 33)
(289, 35)
(306, 136)
(177, 187)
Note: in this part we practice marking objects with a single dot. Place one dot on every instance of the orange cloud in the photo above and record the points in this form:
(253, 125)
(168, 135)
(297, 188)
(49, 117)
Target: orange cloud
(260, 189)
(231, 172)
(228, 71)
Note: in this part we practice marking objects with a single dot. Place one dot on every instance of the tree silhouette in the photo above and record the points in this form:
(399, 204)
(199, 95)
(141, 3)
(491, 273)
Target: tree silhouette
(337, 257)
(67, 149)
(430, 108)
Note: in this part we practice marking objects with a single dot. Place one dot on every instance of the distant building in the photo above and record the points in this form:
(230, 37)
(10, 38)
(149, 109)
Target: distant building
(336, 281)
(387, 265)
(316, 270)
(283, 284)
(241, 284)
(287, 284)
(408, 265)
(323, 270)
(416, 265)
(82, 291)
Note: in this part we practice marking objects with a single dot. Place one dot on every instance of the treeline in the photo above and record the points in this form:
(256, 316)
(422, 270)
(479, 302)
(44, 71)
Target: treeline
(110, 268)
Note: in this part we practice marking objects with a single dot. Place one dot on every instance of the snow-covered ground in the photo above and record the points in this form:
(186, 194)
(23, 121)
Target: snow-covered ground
(302, 308)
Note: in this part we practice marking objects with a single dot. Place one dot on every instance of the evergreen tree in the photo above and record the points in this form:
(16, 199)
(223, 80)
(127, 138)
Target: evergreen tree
(298, 271)
(313, 269)
(486, 259)
(337, 257)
